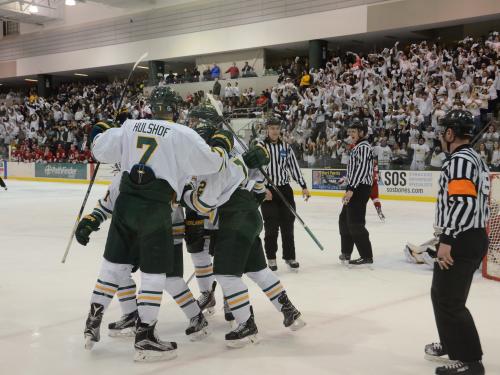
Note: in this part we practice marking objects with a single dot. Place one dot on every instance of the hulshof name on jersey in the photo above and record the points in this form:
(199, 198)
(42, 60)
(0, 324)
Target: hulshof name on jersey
(151, 128)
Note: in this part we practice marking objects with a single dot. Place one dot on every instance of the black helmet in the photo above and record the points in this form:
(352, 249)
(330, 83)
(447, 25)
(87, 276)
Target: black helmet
(356, 123)
(164, 101)
(460, 121)
(273, 120)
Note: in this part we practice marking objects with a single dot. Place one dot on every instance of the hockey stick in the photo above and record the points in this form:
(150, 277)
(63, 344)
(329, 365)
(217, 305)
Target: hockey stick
(479, 135)
(94, 174)
(280, 194)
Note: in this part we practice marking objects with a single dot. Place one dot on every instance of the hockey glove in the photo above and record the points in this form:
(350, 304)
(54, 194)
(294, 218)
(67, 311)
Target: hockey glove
(87, 225)
(223, 139)
(194, 231)
(256, 156)
(99, 128)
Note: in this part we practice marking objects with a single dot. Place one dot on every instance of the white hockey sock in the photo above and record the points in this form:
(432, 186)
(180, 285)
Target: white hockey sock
(236, 295)
(269, 283)
(110, 277)
(149, 298)
(203, 269)
(180, 292)
(126, 296)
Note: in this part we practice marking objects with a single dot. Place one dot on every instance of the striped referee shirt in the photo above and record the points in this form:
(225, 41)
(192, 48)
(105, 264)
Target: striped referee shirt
(360, 166)
(283, 164)
(464, 187)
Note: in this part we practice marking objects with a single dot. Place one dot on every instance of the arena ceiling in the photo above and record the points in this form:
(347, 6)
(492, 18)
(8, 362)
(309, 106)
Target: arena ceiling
(142, 4)
(31, 11)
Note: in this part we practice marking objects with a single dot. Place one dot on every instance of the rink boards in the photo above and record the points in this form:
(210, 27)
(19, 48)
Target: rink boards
(393, 184)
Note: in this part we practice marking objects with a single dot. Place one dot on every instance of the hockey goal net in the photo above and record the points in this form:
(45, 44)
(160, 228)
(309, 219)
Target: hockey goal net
(491, 263)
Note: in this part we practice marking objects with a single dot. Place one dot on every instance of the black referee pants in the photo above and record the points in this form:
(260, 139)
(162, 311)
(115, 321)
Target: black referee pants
(352, 222)
(449, 292)
(278, 217)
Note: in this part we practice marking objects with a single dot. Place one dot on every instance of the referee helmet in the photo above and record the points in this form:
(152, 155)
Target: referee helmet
(460, 121)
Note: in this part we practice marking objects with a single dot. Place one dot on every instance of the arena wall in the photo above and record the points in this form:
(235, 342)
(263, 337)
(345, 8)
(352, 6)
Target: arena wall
(393, 185)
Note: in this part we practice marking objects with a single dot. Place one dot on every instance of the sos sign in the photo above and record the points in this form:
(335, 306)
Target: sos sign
(394, 178)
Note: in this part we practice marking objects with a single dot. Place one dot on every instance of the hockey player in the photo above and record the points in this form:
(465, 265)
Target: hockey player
(174, 284)
(228, 199)
(374, 193)
(2, 183)
(156, 157)
(424, 253)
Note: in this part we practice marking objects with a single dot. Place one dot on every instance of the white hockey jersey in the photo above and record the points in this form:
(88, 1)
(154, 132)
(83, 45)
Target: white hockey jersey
(212, 191)
(173, 151)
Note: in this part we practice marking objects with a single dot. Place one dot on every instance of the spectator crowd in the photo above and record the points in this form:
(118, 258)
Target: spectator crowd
(400, 93)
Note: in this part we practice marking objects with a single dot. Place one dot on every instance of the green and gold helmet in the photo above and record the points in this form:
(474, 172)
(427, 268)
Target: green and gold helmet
(164, 101)
(206, 115)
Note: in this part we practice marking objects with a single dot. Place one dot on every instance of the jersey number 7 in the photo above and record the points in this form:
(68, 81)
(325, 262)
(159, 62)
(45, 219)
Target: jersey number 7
(150, 144)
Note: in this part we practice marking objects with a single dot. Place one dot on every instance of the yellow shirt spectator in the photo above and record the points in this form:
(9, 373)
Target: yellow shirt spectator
(305, 80)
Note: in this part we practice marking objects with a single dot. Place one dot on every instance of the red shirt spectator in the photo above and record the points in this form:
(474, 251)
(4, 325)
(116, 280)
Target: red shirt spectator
(74, 155)
(60, 154)
(38, 155)
(233, 71)
(48, 156)
(86, 156)
(27, 156)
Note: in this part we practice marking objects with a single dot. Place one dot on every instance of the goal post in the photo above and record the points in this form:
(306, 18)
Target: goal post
(491, 262)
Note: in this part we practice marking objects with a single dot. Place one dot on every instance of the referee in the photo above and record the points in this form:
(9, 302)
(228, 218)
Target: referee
(462, 214)
(359, 186)
(277, 216)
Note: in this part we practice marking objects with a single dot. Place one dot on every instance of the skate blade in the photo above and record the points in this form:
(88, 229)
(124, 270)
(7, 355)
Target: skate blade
(293, 270)
(126, 332)
(297, 324)
(238, 344)
(154, 356)
(436, 359)
(89, 343)
(360, 266)
(200, 335)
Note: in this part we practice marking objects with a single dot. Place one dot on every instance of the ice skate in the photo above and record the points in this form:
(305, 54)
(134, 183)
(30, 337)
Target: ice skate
(228, 315)
(292, 316)
(149, 347)
(344, 259)
(125, 327)
(361, 263)
(435, 352)
(198, 328)
(92, 331)
(293, 265)
(380, 214)
(272, 264)
(461, 368)
(244, 334)
(207, 301)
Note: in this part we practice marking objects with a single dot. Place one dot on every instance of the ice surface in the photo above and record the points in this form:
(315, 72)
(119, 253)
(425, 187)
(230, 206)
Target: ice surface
(359, 321)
